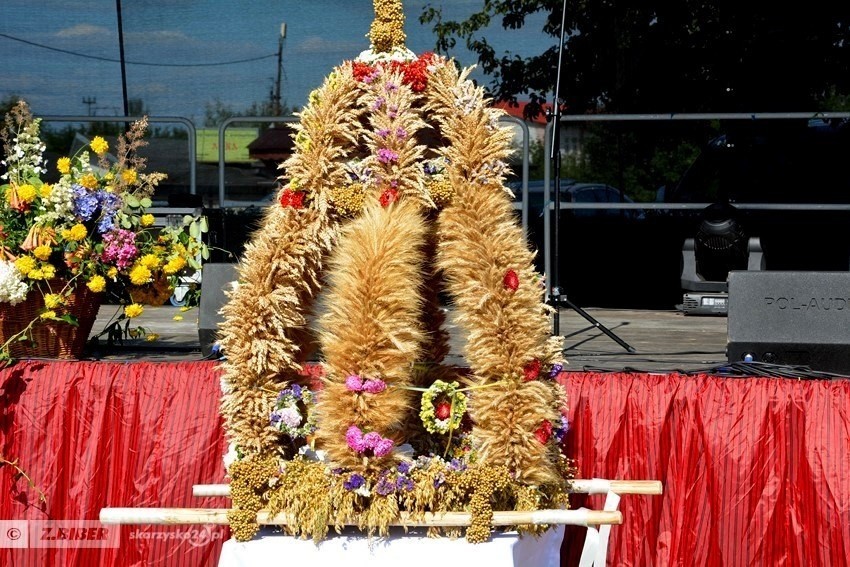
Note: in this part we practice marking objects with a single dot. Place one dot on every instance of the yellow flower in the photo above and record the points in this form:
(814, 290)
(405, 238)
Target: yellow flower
(99, 145)
(146, 219)
(53, 300)
(129, 176)
(48, 270)
(150, 261)
(45, 190)
(25, 264)
(89, 181)
(140, 274)
(152, 337)
(110, 175)
(36, 274)
(26, 193)
(174, 265)
(42, 252)
(185, 308)
(133, 310)
(75, 233)
(112, 272)
(178, 317)
(63, 164)
(50, 314)
(97, 283)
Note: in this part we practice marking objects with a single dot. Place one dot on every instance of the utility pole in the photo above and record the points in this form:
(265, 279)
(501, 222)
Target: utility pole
(89, 101)
(276, 109)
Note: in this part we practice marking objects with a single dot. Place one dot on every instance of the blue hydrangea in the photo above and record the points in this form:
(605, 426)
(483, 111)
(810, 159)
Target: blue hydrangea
(404, 467)
(86, 203)
(385, 486)
(354, 482)
(404, 483)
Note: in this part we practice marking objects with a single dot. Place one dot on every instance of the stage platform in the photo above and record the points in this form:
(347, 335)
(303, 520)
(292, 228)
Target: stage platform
(664, 341)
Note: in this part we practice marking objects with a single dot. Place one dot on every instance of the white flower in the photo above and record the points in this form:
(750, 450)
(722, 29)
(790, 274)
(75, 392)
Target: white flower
(231, 456)
(12, 287)
(290, 416)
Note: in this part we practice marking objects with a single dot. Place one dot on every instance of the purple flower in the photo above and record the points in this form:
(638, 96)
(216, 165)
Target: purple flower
(556, 369)
(430, 168)
(404, 483)
(391, 87)
(374, 386)
(385, 486)
(438, 481)
(337, 470)
(379, 102)
(386, 155)
(404, 467)
(296, 391)
(457, 465)
(383, 132)
(401, 133)
(354, 383)
(354, 482)
(562, 429)
(275, 418)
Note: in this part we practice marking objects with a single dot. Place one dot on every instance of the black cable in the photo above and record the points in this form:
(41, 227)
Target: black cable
(110, 60)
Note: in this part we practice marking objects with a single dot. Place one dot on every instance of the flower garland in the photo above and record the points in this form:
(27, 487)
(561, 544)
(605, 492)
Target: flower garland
(292, 414)
(443, 407)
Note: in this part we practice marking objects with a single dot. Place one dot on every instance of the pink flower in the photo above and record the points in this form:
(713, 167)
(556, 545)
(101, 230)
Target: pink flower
(386, 155)
(354, 383)
(354, 438)
(383, 447)
(374, 386)
(371, 439)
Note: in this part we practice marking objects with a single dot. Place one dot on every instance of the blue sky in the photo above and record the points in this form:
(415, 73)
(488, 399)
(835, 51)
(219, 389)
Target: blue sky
(320, 35)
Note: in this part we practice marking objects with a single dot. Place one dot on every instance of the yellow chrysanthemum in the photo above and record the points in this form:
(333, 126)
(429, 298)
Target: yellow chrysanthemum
(133, 310)
(49, 314)
(36, 274)
(174, 265)
(97, 283)
(151, 337)
(48, 270)
(140, 274)
(89, 181)
(112, 272)
(45, 190)
(99, 145)
(75, 233)
(110, 175)
(150, 261)
(25, 264)
(27, 193)
(42, 252)
(129, 176)
(53, 300)
(63, 164)
(146, 219)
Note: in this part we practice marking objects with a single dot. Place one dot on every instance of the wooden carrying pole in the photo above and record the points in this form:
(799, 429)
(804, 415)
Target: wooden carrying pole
(175, 516)
(579, 486)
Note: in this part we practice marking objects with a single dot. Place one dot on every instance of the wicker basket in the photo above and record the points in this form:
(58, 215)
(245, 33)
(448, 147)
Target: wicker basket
(52, 339)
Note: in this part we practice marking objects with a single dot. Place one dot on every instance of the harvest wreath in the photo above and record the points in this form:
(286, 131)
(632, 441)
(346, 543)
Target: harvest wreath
(394, 195)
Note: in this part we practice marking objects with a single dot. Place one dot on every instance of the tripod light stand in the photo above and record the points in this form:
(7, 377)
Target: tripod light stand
(555, 296)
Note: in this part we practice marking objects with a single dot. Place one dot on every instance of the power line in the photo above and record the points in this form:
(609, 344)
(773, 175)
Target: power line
(107, 59)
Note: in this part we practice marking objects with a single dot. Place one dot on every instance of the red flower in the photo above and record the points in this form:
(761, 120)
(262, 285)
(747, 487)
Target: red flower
(388, 197)
(511, 280)
(294, 199)
(361, 70)
(532, 370)
(444, 410)
(544, 432)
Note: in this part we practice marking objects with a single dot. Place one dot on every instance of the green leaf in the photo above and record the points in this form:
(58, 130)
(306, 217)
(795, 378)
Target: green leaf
(131, 201)
(205, 227)
(125, 223)
(187, 219)
(70, 319)
(195, 231)
(145, 202)
(205, 252)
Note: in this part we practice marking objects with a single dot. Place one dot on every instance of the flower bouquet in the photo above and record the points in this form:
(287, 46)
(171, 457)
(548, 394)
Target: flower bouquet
(66, 245)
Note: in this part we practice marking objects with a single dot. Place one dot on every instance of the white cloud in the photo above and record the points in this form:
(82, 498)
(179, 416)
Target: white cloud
(158, 36)
(317, 44)
(83, 30)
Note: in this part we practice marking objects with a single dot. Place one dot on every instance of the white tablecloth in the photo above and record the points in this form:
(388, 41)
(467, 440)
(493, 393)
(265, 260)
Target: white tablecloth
(399, 550)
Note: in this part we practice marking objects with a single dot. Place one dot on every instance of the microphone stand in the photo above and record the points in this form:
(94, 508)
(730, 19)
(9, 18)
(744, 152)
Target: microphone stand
(555, 296)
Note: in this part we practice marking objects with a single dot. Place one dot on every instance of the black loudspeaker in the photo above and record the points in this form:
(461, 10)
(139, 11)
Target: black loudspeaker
(793, 318)
(215, 279)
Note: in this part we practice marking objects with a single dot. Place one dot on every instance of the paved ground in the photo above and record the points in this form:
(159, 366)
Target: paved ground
(663, 340)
